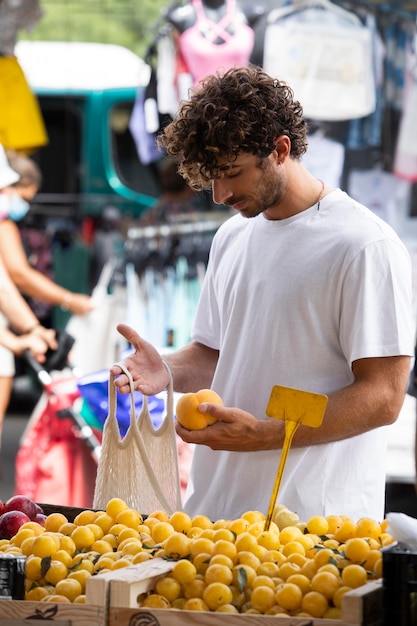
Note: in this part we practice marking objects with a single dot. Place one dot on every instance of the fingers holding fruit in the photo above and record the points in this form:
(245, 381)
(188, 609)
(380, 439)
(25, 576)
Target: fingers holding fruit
(206, 421)
(191, 415)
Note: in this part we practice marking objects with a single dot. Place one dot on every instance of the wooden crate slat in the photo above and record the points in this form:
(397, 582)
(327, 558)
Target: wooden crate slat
(115, 586)
(172, 617)
(364, 605)
(74, 614)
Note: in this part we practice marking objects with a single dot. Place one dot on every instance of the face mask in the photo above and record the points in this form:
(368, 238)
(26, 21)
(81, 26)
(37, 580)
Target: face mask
(18, 207)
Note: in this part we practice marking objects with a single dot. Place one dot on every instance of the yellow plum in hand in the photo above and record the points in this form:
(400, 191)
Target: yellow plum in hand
(187, 411)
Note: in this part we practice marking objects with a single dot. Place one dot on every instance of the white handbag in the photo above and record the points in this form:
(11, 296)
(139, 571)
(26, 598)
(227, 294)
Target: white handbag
(325, 54)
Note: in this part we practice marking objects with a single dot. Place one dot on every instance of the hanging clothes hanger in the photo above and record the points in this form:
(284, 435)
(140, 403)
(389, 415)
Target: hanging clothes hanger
(302, 5)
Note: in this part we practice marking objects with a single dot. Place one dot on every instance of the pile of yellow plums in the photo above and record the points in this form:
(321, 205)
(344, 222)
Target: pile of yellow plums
(233, 566)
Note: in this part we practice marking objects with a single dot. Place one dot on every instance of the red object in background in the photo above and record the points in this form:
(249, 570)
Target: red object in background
(53, 463)
(87, 230)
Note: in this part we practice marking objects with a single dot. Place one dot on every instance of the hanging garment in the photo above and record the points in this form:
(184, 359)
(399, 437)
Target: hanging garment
(71, 259)
(173, 77)
(405, 163)
(15, 15)
(97, 342)
(325, 54)
(197, 44)
(325, 159)
(383, 193)
(166, 90)
(405, 158)
(143, 124)
(396, 40)
(21, 124)
(366, 131)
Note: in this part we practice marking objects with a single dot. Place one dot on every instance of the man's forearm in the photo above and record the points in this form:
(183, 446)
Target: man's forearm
(192, 367)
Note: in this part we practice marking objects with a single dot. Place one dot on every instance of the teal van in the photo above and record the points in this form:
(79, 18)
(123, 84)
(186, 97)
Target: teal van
(86, 92)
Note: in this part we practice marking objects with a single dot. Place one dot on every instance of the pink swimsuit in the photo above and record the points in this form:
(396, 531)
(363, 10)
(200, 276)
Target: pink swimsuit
(202, 55)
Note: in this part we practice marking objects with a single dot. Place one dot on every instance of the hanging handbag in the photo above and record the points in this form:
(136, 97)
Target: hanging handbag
(325, 54)
(141, 468)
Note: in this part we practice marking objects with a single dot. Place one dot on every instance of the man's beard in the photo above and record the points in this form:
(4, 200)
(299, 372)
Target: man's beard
(269, 192)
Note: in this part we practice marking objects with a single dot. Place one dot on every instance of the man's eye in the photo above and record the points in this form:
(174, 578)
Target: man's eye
(234, 175)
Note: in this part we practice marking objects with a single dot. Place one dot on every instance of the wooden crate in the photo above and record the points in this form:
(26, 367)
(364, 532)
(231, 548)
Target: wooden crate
(119, 589)
(364, 606)
(111, 601)
(70, 512)
(172, 617)
(18, 612)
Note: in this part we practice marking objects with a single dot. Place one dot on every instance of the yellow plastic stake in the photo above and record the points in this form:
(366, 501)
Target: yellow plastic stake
(295, 407)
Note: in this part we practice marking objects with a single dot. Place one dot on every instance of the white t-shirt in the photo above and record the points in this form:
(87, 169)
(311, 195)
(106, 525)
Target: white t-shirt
(294, 302)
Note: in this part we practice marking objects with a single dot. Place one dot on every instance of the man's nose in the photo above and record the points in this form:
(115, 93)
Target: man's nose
(220, 191)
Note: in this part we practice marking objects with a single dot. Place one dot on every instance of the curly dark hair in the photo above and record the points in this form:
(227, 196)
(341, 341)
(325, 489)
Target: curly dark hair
(242, 110)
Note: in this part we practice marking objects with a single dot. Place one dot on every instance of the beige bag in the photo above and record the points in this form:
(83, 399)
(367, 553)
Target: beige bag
(142, 467)
(325, 54)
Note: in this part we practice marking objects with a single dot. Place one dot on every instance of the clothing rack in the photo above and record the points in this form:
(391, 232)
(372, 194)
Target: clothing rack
(203, 223)
(406, 10)
(161, 28)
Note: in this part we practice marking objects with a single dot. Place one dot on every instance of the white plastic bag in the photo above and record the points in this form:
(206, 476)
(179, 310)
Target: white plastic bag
(97, 342)
(404, 529)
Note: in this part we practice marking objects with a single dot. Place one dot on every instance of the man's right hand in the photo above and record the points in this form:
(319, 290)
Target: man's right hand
(145, 365)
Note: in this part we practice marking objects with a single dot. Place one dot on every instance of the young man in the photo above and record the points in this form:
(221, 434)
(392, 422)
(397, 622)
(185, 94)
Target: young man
(305, 288)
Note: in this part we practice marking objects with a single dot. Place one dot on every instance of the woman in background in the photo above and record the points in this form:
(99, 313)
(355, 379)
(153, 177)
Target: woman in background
(16, 193)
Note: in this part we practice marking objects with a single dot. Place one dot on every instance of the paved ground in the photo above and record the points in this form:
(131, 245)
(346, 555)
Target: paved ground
(23, 400)
(12, 431)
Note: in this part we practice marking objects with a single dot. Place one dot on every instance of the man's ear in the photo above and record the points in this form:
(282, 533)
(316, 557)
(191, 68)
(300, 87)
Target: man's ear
(282, 148)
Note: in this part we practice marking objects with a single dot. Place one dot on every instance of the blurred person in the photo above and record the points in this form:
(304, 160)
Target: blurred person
(176, 200)
(108, 241)
(29, 333)
(15, 311)
(28, 279)
(17, 187)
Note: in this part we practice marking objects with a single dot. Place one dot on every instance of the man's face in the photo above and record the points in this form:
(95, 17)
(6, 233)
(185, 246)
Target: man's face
(249, 184)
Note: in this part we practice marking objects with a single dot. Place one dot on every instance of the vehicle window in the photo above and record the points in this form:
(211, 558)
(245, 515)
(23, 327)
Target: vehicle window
(134, 174)
(60, 159)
